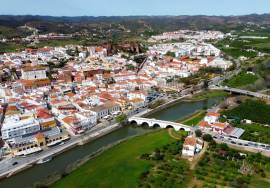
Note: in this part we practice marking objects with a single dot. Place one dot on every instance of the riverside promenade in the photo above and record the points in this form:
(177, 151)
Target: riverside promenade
(7, 168)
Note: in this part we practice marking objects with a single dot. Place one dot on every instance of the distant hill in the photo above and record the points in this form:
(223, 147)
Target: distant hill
(9, 20)
(136, 24)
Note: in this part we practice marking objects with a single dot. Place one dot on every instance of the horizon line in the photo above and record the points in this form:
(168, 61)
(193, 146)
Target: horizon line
(145, 15)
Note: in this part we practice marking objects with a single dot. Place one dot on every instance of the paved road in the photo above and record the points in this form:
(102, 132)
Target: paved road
(243, 144)
(7, 167)
(241, 91)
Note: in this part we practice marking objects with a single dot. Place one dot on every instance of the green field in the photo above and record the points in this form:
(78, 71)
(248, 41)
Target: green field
(60, 42)
(194, 119)
(240, 80)
(254, 110)
(169, 170)
(237, 52)
(225, 167)
(240, 46)
(119, 166)
(209, 94)
(255, 132)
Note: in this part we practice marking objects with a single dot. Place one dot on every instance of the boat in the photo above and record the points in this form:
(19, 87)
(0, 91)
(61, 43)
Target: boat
(44, 160)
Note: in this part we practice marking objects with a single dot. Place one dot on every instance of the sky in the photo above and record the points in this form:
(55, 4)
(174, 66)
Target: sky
(133, 7)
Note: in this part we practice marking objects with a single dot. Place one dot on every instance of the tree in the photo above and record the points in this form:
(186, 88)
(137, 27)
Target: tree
(171, 54)
(130, 67)
(121, 119)
(198, 133)
(207, 138)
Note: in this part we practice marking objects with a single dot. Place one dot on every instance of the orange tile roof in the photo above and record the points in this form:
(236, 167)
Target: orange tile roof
(33, 68)
(43, 113)
(190, 141)
(70, 94)
(213, 114)
(69, 119)
(219, 125)
(203, 124)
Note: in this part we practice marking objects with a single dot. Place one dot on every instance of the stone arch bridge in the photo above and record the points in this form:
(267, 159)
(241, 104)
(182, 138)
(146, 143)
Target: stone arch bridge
(158, 123)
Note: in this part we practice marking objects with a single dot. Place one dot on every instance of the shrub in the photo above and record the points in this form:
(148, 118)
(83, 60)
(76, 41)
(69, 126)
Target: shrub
(207, 138)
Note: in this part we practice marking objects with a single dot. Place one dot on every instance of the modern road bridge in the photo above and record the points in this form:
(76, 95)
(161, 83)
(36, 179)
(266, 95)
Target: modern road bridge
(241, 91)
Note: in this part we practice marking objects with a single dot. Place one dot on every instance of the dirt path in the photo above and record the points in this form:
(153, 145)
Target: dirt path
(170, 131)
(198, 157)
(193, 116)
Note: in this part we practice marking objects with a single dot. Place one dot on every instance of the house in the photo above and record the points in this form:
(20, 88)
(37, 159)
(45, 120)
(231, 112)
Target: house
(45, 118)
(32, 84)
(105, 109)
(218, 127)
(72, 124)
(137, 103)
(220, 63)
(192, 145)
(88, 119)
(138, 94)
(204, 125)
(79, 122)
(211, 117)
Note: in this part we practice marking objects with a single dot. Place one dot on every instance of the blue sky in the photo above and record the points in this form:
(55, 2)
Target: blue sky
(133, 7)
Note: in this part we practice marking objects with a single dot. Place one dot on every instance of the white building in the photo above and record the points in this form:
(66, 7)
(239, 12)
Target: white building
(17, 128)
(33, 73)
(87, 119)
(211, 117)
(220, 63)
(192, 146)
(105, 109)
(92, 100)
(137, 95)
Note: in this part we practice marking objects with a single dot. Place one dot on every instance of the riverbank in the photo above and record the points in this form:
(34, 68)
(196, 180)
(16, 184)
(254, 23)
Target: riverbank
(58, 150)
(73, 167)
(76, 142)
(203, 95)
(115, 161)
(59, 164)
(194, 119)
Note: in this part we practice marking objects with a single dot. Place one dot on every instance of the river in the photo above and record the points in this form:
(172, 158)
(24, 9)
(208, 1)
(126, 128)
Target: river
(58, 165)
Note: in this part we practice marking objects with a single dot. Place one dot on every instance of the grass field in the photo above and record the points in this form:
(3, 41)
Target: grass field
(255, 132)
(59, 42)
(240, 46)
(209, 94)
(119, 166)
(169, 169)
(194, 119)
(255, 110)
(240, 80)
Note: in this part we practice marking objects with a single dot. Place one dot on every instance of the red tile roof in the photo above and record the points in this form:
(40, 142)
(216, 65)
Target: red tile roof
(213, 114)
(204, 124)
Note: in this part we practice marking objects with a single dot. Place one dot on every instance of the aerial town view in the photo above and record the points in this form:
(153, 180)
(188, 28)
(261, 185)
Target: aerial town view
(135, 94)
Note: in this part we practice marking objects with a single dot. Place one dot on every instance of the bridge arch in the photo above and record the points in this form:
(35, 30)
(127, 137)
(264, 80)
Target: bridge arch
(169, 127)
(156, 125)
(133, 122)
(145, 124)
(182, 129)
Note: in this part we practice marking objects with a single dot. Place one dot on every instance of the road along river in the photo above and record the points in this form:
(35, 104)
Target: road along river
(59, 164)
